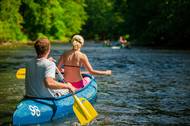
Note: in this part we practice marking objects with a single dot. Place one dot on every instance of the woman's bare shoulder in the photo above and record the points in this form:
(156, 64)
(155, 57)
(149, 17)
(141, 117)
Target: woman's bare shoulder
(79, 53)
(66, 53)
(82, 55)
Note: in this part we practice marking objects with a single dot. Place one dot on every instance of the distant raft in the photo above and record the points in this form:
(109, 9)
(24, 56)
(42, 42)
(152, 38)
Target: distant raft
(40, 110)
(116, 47)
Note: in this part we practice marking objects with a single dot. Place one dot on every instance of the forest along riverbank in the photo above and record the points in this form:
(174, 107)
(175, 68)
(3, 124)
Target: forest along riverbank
(148, 86)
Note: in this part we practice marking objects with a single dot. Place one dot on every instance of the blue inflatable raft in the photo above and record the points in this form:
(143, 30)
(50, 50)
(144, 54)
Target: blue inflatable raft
(37, 110)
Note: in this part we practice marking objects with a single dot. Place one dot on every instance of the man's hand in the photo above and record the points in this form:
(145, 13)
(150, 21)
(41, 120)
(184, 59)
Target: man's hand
(62, 70)
(108, 72)
(71, 88)
(51, 59)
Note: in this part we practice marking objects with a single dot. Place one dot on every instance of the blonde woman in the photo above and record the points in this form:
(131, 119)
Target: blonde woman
(73, 59)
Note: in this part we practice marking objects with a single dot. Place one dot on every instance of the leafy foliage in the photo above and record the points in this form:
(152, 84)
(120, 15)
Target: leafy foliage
(102, 21)
(147, 22)
(55, 19)
(156, 22)
(159, 22)
(10, 21)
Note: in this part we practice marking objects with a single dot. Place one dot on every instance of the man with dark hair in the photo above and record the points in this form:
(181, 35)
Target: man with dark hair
(42, 46)
(40, 74)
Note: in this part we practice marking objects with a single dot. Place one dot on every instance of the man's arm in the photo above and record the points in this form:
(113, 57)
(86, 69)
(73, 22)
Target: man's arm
(52, 84)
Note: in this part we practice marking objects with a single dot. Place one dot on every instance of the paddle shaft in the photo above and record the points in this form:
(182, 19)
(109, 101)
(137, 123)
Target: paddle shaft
(59, 73)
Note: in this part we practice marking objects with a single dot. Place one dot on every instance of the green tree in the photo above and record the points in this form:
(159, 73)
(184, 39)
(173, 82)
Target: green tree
(10, 21)
(103, 21)
(55, 19)
(74, 15)
(159, 22)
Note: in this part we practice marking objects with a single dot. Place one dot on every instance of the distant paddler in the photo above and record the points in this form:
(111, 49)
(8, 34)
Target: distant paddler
(123, 42)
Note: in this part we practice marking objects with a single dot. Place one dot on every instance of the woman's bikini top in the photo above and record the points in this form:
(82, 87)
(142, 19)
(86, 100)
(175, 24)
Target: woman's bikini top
(71, 66)
(67, 65)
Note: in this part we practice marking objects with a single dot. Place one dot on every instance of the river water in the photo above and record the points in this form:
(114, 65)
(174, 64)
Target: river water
(147, 87)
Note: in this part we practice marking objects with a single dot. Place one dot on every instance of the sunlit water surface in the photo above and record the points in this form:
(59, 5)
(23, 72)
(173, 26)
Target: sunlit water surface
(148, 86)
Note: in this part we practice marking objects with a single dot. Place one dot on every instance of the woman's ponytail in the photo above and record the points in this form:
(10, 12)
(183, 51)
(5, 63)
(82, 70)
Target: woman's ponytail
(77, 42)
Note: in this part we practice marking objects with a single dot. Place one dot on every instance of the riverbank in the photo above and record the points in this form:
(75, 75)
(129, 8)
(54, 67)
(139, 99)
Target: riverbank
(5, 45)
(13, 44)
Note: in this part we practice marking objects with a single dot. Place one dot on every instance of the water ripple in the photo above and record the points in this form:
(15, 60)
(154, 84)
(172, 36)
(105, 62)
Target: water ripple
(148, 86)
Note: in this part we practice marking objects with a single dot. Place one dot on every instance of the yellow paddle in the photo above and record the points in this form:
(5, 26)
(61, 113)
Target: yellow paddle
(82, 108)
(20, 74)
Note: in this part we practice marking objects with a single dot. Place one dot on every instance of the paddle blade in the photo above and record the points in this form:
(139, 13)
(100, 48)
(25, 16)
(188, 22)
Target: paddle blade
(84, 111)
(20, 74)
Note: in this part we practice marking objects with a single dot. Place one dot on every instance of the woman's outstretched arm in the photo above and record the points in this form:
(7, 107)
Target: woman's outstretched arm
(88, 66)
